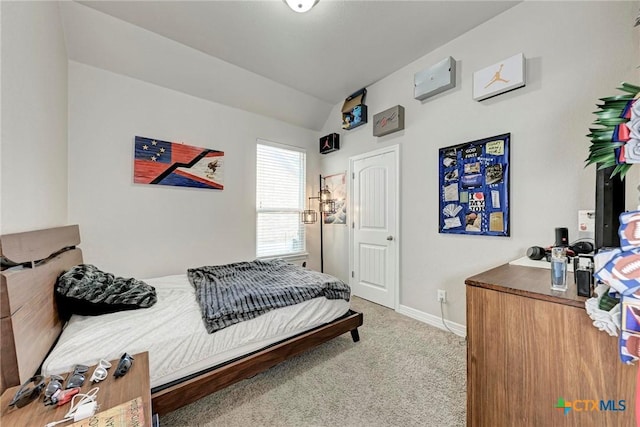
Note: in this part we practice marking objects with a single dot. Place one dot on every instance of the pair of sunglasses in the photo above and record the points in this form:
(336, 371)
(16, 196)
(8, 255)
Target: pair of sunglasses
(53, 389)
(123, 365)
(100, 372)
(28, 393)
(55, 384)
(76, 379)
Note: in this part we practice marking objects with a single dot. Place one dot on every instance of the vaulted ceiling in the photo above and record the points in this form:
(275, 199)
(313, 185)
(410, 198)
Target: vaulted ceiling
(259, 55)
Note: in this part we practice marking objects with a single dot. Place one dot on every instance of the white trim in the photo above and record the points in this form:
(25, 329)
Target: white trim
(377, 152)
(260, 141)
(390, 149)
(289, 257)
(298, 211)
(432, 320)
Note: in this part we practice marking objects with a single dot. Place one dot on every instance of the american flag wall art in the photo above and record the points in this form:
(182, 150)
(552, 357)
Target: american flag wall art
(177, 164)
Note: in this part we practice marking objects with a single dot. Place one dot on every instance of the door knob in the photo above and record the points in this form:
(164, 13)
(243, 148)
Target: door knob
(389, 238)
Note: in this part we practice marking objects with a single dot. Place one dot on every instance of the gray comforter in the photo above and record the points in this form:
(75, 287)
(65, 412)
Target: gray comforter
(231, 293)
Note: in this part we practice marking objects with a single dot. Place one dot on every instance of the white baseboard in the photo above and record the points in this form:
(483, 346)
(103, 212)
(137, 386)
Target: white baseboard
(432, 320)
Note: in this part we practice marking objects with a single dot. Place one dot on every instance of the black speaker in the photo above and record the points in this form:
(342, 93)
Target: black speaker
(609, 206)
(562, 236)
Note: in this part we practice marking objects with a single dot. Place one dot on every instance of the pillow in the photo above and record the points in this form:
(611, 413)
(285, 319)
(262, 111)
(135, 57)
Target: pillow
(88, 291)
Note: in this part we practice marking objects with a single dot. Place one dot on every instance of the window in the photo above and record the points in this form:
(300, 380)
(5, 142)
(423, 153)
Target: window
(280, 190)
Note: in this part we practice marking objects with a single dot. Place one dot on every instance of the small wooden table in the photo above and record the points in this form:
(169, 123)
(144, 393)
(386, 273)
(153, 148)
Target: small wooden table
(113, 391)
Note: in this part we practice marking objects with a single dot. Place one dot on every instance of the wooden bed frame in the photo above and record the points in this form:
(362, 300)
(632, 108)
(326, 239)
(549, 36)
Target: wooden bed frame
(30, 324)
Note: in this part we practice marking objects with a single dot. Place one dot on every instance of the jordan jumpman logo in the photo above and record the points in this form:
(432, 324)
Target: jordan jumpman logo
(497, 77)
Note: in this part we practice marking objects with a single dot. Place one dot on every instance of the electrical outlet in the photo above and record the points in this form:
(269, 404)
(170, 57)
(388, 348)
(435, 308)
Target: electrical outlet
(442, 295)
(586, 223)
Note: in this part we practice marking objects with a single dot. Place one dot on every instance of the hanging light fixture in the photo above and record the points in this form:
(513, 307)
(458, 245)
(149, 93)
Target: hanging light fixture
(301, 6)
(326, 205)
(309, 216)
(324, 194)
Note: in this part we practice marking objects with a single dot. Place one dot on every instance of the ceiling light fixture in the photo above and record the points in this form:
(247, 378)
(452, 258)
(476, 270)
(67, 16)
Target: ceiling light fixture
(301, 6)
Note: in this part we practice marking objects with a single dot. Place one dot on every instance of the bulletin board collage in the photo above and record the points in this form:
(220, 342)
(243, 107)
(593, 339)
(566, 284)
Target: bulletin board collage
(474, 187)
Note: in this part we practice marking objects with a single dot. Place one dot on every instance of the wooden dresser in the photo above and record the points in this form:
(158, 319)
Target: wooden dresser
(529, 346)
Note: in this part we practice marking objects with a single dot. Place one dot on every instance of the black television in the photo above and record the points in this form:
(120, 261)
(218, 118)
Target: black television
(610, 203)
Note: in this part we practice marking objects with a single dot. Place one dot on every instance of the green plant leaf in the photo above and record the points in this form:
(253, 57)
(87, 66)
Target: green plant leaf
(602, 148)
(610, 122)
(607, 114)
(602, 131)
(605, 146)
(624, 170)
(614, 105)
(603, 158)
(600, 138)
(620, 169)
(601, 151)
(628, 87)
(608, 156)
(617, 98)
(606, 164)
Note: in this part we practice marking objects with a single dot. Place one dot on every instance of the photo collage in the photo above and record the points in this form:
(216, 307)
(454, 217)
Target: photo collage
(474, 184)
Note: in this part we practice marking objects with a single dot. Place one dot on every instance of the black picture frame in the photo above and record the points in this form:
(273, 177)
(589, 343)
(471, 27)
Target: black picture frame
(474, 187)
(329, 143)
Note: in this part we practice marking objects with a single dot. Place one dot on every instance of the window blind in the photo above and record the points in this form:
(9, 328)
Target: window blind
(280, 190)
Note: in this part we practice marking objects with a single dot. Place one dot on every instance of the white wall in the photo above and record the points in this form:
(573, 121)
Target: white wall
(576, 53)
(33, 183)
(147, 230)
(132, 51)
(151, 230)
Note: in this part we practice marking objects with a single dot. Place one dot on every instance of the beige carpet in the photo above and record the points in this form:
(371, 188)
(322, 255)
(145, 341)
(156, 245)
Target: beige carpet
(401, 373)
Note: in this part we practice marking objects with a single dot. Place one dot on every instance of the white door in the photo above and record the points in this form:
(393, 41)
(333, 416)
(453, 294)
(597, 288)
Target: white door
(374, 248)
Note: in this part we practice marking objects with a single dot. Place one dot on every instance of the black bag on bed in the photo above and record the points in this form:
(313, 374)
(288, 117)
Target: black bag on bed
(88, 291)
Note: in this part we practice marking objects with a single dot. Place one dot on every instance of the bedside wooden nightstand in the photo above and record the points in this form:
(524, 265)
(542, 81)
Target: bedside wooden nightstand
(113, 391)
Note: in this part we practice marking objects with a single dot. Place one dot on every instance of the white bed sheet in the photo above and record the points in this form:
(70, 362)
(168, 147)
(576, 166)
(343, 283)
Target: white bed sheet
(173, 333)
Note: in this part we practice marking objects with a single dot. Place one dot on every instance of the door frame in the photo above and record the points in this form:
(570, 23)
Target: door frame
(350, 191)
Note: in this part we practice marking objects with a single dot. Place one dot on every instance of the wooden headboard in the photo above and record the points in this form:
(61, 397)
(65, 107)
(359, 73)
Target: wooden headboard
(28, 314)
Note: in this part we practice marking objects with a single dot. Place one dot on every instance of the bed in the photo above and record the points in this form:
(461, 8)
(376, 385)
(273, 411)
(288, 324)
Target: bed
(30, 327)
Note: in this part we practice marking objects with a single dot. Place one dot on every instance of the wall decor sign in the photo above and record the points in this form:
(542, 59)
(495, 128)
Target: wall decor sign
(499, 78)
(337, 184)
(354, 112)
(329, 143)
(435, 79)
(474, 187)
(388, 121)
(177, 164)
